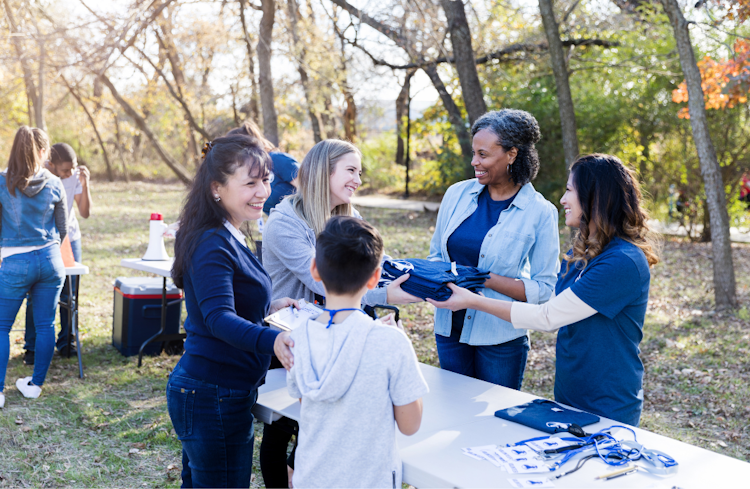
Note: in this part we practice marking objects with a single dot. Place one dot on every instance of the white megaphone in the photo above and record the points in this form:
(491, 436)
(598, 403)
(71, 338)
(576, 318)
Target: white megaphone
(156, 250)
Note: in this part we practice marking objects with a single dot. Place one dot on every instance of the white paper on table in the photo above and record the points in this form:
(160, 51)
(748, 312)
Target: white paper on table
(521, 483)
(527, 468)
(469, 453)
(517, 453)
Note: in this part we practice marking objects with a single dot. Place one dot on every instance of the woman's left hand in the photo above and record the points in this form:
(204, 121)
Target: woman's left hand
(461, 299)
(279, 304)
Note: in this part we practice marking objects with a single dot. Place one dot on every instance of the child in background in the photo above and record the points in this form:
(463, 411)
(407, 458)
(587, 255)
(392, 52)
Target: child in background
(63, 163)
(355, 375)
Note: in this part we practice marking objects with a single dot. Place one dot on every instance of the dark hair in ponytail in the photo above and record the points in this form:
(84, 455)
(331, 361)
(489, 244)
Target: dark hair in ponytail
(24, 159)
(200, 211)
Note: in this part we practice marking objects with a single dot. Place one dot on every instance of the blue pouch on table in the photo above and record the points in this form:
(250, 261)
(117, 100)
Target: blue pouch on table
(547, 416)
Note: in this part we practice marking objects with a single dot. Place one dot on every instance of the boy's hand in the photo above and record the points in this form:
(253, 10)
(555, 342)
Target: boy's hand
(396, 295)
(390, 320)
(279, 304)
(83, 176)
(282, 348)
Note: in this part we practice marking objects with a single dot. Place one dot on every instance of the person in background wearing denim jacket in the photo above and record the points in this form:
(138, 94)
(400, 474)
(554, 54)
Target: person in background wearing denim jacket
(497, 222)
(212, 389)
(32, 226)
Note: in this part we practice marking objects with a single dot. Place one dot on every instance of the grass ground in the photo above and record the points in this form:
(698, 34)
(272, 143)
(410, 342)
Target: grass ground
(112, 430)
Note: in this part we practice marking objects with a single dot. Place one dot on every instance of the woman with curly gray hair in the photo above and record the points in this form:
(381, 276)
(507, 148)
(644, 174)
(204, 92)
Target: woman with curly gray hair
(497, 222)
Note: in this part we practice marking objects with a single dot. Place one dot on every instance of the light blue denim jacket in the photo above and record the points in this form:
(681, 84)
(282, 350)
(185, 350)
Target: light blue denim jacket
(524, 244)
(36, 215)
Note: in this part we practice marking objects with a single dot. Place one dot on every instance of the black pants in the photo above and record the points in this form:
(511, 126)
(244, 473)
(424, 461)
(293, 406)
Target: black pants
(273, 447)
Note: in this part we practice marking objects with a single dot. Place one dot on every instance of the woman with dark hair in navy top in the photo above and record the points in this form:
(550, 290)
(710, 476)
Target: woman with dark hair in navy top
(228, 349)
(601, 294)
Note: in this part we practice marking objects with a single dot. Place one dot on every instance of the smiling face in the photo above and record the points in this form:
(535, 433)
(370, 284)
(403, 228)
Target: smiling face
(345, 179)
(243, 195)
(571, 204)
(490, 160)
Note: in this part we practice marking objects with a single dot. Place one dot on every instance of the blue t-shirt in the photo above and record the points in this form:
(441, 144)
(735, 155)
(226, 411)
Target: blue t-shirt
(466, 241)
(598, 367)
(285, 169)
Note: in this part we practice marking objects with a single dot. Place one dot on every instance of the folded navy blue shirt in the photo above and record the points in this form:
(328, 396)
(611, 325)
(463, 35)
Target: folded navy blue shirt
(545, 415)
(430, 279)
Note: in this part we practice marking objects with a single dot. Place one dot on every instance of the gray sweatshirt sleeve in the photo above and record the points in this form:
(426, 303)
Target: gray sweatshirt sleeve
(61, 216)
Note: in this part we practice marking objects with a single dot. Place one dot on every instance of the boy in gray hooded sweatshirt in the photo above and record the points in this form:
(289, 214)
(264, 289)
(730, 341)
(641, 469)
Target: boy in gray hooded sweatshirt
(357, 378)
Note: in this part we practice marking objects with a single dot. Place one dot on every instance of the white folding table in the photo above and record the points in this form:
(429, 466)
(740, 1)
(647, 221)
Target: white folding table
(164, 269)
(459, 412)
(73, 276)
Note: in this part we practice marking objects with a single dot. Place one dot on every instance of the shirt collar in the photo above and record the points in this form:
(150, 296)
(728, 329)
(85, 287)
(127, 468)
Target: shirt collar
(235, 232)
(522, 197)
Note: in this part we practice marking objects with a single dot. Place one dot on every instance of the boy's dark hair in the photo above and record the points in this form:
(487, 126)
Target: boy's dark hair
(347, 252)
(62, 153)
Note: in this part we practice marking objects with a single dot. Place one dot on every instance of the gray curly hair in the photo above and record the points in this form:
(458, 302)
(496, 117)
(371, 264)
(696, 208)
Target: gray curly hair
(514, 129)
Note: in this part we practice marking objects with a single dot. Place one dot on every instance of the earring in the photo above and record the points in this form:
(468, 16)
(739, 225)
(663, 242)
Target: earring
(216, 198)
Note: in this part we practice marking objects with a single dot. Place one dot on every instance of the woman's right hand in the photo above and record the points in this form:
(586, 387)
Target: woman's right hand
(282, 348)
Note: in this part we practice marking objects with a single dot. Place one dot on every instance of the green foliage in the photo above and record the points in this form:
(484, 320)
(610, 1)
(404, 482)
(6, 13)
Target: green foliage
(379, 171)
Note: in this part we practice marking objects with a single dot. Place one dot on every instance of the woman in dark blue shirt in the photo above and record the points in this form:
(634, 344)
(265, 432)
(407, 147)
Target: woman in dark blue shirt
(601, 294)
(228, 349)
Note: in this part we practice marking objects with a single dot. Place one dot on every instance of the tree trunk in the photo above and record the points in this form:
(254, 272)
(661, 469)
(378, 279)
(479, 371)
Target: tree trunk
(301, 54)
(560, 69)
(39, 105)
(176, 167)
(254, 112)
(270, 124)
(463, 53)
(28, 77)
(454, 114)
(402, 109)
(350, 112)
(118, 138)
(110, 174)
(724, 282)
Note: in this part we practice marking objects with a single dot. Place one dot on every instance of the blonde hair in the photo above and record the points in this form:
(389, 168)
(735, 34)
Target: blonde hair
(312, 202)
(24, 159)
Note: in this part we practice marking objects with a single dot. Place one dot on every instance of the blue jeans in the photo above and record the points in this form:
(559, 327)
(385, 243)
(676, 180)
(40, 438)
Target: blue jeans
(41, 274)
(215, 426)
(502, 364)
(62, 338)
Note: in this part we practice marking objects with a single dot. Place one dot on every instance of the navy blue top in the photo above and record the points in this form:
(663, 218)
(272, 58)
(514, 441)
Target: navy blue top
(285, 169)
(466, 241)
(227, 295)
(598, 367)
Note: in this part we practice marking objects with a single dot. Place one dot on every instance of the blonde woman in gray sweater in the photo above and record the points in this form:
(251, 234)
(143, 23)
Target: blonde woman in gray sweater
(328, 178)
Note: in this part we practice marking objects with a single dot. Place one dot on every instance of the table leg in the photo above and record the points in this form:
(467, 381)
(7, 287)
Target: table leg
(70, 304)
(74, 324)
(163, 321)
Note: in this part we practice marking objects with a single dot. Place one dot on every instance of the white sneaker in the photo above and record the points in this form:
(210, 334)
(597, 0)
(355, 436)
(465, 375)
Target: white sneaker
(2, 400)
(27, 388)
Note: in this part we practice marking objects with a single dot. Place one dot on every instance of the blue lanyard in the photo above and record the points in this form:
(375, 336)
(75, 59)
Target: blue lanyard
(333, 312)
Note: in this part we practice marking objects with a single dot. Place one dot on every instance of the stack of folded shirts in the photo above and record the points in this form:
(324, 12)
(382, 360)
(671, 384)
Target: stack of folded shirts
(429, 279)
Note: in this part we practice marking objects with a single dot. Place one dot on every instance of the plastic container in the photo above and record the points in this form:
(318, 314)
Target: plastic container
(137, 313)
